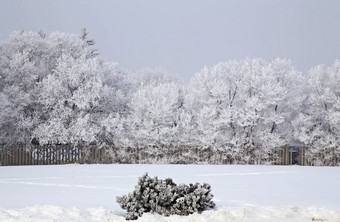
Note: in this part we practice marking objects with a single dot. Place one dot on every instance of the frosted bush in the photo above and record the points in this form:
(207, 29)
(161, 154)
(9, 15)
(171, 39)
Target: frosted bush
(164, 197)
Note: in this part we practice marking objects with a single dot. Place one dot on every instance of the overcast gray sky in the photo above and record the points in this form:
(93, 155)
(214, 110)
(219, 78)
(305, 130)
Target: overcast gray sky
(183, 36)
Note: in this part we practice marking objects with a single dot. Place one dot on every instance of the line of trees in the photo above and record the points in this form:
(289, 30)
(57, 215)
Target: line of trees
(56, 90)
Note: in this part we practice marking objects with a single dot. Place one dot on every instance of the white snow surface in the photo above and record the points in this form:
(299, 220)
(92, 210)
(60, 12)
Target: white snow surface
(87, 193)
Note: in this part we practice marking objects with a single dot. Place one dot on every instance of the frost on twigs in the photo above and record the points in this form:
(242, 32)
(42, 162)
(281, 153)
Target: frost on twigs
(164, 197)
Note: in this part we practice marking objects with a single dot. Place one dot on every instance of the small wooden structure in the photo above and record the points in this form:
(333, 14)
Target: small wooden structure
(293, 155)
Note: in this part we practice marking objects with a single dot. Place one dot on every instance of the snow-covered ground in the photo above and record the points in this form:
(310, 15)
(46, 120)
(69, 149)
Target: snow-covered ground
(242, 193)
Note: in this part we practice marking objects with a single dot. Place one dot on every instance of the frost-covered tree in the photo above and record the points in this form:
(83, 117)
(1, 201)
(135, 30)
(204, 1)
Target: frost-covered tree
(22, 67)
(50, 88)
(241, 107)
(83, 98)
(155, 114)
(69, 96)
(114, 110)
(318, 123)
(268, 102)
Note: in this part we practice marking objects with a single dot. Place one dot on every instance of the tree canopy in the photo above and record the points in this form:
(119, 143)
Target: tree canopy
(56, 90)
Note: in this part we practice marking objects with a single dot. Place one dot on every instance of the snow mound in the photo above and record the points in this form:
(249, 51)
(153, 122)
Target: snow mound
(50, 213)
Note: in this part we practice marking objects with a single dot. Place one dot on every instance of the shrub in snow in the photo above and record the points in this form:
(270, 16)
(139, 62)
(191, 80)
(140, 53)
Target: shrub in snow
(165, 198)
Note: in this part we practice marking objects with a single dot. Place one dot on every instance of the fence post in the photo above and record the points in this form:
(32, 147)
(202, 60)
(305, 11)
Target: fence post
(69, 150)
(96, 154)
(15, 156)
(43, 155)
(48, 155)
(285, 156)
(10, 153)
(19, 156)
(29, 157)
(77, 155)
(63, 155)
(2, 157)
(67, 154)
(55, 155)
(303, 155)
(25, 156)
(58, 156)
(72, 154)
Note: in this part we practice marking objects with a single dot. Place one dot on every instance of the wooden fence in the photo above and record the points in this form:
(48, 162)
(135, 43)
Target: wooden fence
(65, 154)
(49, 155)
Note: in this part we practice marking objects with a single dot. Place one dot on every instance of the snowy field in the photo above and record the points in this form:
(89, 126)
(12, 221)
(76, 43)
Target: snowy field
(86, 193)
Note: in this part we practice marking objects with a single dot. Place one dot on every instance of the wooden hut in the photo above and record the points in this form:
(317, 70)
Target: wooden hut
(293, 155)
